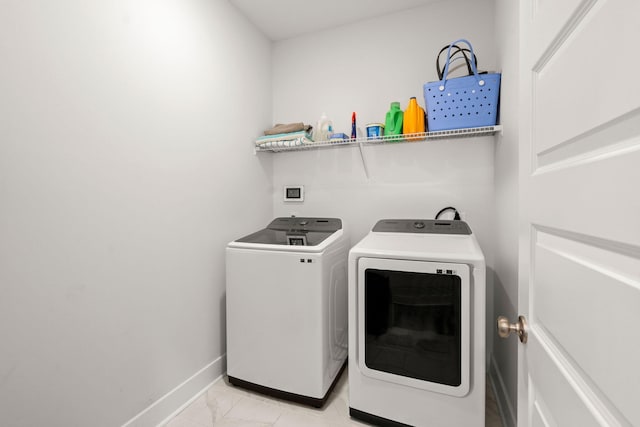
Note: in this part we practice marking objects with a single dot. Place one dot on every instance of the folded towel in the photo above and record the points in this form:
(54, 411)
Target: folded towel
(283, 136)
(287, 128)
(274, 144)
(284, 140)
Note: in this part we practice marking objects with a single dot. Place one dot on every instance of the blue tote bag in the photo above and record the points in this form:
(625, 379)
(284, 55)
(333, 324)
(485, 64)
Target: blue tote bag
(462, 102)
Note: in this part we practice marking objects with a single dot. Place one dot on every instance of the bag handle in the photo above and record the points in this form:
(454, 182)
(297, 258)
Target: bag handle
(458, 50)
(473, 64)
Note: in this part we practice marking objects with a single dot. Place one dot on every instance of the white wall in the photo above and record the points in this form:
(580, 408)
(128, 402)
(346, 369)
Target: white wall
(364, 67)
(126, 165)
(504, 361)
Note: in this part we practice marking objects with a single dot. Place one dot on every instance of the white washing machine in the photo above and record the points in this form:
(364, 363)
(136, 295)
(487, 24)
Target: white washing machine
(287, 308)
(417, 325)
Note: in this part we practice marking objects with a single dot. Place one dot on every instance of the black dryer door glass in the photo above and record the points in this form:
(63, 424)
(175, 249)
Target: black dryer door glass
(413, 325)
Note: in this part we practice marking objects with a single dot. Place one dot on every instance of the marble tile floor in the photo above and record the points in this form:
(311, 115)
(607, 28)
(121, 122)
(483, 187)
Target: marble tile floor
(224, 405)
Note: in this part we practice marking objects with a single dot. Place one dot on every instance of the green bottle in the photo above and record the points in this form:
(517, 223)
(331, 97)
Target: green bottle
(393, 121)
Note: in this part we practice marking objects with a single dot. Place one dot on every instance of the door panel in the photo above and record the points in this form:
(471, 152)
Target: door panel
(541, 417)
(601, 291)
(579, 281)
(552, 15)
(586, 79)
(555, 389)
(608, 139)
(596, 196)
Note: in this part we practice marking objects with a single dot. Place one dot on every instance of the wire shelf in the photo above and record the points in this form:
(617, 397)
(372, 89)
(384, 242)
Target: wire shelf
(280, 146)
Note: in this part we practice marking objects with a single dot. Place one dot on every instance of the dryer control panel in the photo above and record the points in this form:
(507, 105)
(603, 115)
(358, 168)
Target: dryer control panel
(424, 226)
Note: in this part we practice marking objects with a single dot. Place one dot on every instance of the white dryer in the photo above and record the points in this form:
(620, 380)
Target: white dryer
(417, 325)
(287, 308)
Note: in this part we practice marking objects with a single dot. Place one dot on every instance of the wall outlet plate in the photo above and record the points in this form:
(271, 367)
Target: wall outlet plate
(294, 193)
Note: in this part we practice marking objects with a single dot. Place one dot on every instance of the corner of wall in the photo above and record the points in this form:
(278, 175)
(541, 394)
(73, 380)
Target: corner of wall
(500, 391)
(503, 361)
(179, 397)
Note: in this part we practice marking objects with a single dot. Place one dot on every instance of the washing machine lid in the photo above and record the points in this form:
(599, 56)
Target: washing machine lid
(294, 231)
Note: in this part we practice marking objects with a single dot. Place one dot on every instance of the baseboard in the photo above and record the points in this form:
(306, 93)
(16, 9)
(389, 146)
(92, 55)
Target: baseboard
(507, 412)
(172, 403)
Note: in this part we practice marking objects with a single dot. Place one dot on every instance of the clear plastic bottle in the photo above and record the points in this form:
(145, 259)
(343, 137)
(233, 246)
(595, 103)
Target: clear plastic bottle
(323, 129)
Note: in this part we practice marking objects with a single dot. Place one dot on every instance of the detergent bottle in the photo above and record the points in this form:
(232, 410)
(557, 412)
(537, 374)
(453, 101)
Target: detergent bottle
(393, 120)
(413, 120)
(323, 128)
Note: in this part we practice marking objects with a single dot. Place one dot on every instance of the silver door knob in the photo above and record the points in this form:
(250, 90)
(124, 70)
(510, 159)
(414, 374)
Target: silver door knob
(520, 327)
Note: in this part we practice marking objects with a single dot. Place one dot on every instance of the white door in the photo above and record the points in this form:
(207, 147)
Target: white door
(579, 285)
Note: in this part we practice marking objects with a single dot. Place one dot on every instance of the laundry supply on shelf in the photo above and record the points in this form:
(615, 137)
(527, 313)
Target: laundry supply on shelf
(414, 118)
(323, 129)
(375, 130)
(338, 137)
(354, 133)
(393, 120)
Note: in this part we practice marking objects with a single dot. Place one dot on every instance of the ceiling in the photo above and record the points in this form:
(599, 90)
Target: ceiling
(283, 19)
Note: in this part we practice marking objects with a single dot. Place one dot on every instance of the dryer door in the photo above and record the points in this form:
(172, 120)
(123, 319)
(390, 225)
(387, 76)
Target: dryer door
(414, 323)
